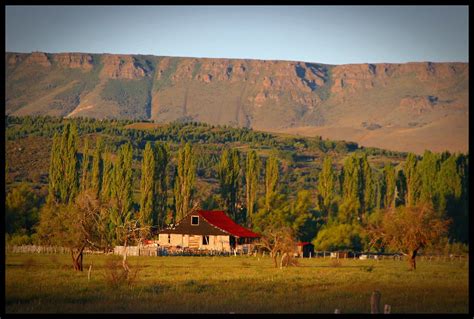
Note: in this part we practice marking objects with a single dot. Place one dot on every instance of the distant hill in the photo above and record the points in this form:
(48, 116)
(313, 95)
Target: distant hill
(403, 107)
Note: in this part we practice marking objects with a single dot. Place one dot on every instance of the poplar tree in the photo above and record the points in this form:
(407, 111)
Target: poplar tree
(368, 186)
(147, 188)
(96, 180)
(54, 178)
(107, 179)
(449, 183)
(161, 185)
(413, 180)
(122, 182)
(85, 166)
(251, 176)
(271, 181)
(229, 173)
(326, 185)
(184, 181)
(389, 186)
(351, 184)
(68, 153)
(428, 169)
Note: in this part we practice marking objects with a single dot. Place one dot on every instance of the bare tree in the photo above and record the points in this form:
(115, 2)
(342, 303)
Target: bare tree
(77, 226)
(408, 229)
(281, 243)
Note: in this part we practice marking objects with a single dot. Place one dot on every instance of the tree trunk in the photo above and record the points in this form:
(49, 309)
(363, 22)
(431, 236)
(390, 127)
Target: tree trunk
(77, 258)
(412, 259)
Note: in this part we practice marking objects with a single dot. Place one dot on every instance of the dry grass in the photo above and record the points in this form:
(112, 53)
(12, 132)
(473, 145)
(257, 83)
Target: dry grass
(234, 284)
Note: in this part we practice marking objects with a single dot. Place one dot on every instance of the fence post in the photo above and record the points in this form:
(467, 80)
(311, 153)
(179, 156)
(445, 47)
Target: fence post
(375, 302)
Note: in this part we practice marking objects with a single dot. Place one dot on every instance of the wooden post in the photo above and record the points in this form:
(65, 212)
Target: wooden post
(387, 309)
(375, 302)
(89, 273)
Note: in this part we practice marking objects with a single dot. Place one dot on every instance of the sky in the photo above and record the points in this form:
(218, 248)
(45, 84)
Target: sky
(322, 34)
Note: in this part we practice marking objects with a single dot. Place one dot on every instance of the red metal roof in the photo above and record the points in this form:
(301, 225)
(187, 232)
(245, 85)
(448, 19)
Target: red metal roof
(219, 219)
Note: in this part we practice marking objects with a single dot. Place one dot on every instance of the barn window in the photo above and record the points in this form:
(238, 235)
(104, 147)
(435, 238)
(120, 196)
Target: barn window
(194, 220)
(169, 238)
(205, 240)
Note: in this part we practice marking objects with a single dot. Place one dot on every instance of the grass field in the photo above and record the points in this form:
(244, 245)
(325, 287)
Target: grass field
(240, 284)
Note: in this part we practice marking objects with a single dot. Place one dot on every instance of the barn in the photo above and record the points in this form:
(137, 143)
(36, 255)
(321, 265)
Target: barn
(208, 230)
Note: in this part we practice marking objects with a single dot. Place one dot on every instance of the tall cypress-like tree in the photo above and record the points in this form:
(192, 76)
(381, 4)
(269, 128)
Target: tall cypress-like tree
(63, 174)
(122, 182)
(85, 166)
(352, 181)
(184, 181)
(229, 173)
(107, 178)
(252, 174)
(428, 169)
(449, 183)
(271, 181)
(70, 186)
(97, 167)
(389, 186)
(55, 168)
(368, 185)
(326, 186)
(161, 185)
(147, 188)
(413, 180)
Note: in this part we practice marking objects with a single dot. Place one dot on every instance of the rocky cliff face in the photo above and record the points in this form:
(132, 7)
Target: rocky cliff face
(269, 95)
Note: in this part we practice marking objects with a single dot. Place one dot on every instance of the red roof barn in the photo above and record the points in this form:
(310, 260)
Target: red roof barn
(210, 230)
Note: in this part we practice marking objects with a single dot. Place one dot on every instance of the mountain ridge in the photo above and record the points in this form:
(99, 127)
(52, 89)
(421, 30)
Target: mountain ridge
(374, 103)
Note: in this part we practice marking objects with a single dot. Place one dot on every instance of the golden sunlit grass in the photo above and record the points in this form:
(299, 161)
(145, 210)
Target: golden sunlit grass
(241, 284)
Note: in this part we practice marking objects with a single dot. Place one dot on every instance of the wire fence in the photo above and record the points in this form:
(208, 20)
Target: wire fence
(171, 251)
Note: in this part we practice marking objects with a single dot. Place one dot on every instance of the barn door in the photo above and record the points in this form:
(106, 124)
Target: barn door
(194, 242)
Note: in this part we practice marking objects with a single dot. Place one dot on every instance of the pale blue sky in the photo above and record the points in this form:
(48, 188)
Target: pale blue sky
(324, 34)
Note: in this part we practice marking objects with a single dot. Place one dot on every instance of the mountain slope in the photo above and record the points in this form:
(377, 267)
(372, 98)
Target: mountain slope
(406, 107)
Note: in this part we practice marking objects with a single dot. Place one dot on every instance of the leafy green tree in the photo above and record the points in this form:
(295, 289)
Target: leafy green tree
(413, 180)
(339, 237)
(21, 210)
(271, 180)
(162, 158)
(389, 186)
(428, 168)
(122, 182)
(351, 190)
(68, 156)
(184, 181)
(55, 168)
(108, 178)
(85, 166)
(449, 183)
(97, 168)
(368, 186)
(147, 188)
(326, 186)
(252, 174)
(229, 173)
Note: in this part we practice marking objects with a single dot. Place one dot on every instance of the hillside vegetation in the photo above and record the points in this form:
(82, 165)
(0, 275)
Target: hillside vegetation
(405, 107)
(326, 191)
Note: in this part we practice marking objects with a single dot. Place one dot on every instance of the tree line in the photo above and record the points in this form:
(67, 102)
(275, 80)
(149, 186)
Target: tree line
(97, 185)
